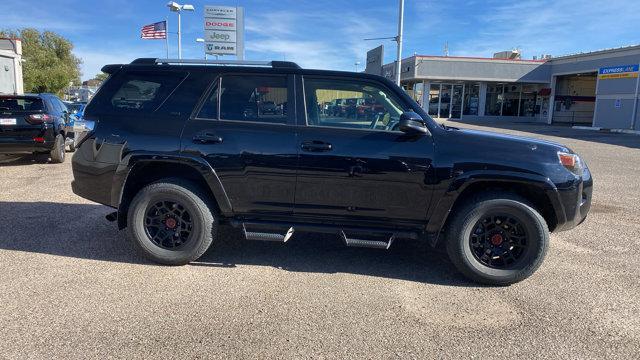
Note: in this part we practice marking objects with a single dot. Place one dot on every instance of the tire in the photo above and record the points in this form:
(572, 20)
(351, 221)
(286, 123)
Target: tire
(480, 216)
(58, 151)
(72, 145)
(201, 233)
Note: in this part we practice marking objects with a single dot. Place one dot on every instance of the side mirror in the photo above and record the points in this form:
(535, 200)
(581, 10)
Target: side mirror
(412, 123)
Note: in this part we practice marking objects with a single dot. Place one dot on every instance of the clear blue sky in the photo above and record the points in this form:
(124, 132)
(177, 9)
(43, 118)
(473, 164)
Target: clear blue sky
(328, 34)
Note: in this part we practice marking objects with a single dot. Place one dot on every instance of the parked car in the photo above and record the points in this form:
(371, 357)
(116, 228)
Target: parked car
(32, 124)
(186, 157)
(76, 109)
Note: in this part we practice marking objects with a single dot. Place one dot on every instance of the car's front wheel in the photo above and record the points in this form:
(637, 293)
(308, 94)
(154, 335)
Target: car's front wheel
(170, 222)
(497, 239)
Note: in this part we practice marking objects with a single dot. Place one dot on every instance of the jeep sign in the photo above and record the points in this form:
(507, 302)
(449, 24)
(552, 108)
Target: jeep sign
(224, 30)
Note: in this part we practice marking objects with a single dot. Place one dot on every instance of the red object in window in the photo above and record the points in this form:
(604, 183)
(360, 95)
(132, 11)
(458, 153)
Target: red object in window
(39, 139)
(263, 89)
(544, 92)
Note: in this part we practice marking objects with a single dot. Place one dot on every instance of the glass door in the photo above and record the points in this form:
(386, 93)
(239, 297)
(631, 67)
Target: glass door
(456, 102)
(445, 101)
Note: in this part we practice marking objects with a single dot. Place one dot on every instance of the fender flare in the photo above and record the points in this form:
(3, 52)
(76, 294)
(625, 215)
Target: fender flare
(460, 183)
(132, 161)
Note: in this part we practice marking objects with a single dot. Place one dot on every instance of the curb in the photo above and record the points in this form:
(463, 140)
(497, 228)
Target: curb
(595, 128)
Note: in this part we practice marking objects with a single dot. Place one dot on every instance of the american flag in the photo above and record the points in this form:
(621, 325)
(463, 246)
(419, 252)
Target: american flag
(154, 31)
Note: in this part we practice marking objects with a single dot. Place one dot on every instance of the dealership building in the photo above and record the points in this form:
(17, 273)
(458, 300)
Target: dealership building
(596, 89)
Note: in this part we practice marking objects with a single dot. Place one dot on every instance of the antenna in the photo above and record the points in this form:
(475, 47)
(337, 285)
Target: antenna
(446, 48)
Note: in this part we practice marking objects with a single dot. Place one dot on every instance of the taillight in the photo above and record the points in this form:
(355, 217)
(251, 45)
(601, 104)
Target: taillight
(35, 119)
(570, 161)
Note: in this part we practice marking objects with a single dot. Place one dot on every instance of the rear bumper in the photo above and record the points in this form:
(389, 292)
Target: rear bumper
(12, 142)
(575, 202)
(14, 146)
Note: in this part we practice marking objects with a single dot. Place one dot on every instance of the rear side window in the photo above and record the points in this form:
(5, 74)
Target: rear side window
(143, 92)
(251, 98)
(18, 104)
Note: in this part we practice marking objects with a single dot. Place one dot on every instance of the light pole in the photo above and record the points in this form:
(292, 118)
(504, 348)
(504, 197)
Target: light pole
(201, 40)
(175, 7)
(356, 64)
(398, 39)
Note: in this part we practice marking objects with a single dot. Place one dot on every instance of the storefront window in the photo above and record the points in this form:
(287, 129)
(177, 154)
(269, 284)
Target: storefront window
(471, 99)
(434, 99)
(511, 100)
(528, 100)
(493, 105)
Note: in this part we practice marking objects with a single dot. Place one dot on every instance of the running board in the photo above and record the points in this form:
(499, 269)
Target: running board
(267, 236)
(376, 244)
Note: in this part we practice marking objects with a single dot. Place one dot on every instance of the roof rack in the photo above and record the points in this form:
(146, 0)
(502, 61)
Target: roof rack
(274, 64)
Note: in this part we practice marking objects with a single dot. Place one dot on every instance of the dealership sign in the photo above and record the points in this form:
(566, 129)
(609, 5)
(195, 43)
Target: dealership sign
(619, 72)
(224, 30)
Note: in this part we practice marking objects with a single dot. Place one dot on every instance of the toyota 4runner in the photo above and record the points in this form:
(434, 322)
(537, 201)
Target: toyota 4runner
(181, 146)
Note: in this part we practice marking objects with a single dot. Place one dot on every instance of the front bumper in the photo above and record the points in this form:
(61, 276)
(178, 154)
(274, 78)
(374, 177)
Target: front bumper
(574, 202)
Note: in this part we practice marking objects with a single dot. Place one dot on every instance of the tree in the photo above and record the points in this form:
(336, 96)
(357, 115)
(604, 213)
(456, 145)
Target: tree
(101, 76)
(49, 64)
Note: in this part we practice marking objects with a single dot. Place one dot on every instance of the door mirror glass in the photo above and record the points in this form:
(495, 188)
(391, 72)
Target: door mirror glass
(412, 123)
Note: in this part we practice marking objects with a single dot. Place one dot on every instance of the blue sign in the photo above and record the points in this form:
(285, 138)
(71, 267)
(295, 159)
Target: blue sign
(617, 72)
(618, 69)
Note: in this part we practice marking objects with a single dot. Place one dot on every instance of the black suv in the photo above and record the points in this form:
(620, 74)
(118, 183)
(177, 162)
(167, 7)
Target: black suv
(180, 148)
(32, 124)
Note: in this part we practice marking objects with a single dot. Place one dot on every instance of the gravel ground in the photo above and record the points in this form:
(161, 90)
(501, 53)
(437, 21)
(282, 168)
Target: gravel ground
(72, 287)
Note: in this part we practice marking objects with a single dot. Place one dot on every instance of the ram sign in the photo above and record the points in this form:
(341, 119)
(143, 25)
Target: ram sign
(224, 30)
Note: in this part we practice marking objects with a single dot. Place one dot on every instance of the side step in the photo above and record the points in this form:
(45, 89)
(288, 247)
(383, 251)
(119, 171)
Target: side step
(376, 244)
(262, 235)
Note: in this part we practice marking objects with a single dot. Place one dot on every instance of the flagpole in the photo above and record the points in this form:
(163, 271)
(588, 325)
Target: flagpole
(166, 37)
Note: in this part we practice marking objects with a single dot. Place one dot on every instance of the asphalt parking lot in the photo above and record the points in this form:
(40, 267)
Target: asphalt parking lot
(70, 285)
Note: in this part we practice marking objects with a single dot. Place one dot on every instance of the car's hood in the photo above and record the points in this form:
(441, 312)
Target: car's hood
(506, 139)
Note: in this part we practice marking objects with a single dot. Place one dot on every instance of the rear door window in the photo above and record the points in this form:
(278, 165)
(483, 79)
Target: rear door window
(144, 92)
(259, 98)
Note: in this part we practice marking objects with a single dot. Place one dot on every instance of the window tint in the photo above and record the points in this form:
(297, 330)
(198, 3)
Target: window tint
(350, 104)
(19, 103)
(144, 92)
(254, 98)
(209, 109)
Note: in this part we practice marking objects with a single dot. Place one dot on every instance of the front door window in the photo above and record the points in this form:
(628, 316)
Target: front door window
(347, 104)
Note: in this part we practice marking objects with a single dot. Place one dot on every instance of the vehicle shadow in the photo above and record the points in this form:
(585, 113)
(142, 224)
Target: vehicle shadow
(27, 160)
(563, 131)
(81, 231)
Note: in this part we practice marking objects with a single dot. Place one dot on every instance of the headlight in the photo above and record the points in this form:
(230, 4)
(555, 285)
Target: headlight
(570, 161)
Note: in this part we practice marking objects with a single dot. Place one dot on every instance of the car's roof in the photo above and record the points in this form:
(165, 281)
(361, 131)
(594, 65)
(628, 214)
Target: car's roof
(279, 67)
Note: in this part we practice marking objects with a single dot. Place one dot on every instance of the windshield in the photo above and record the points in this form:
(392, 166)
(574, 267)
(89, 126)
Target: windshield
(20, 103)
(74, 108)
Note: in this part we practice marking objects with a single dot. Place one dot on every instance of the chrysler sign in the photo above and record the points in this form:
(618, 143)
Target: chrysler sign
(224, 30)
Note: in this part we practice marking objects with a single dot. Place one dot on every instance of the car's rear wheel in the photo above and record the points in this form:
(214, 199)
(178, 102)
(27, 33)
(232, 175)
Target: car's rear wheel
(497, 239)
(170, 222)
(58, 151)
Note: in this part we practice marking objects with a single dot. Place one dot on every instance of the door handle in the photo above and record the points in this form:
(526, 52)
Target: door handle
(207, 138)
(316, 146)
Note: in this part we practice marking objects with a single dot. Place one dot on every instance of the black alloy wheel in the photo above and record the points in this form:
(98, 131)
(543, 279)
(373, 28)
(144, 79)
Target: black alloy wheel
(171, 221)
(498, 241)
(168, 224)
(497, 238)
